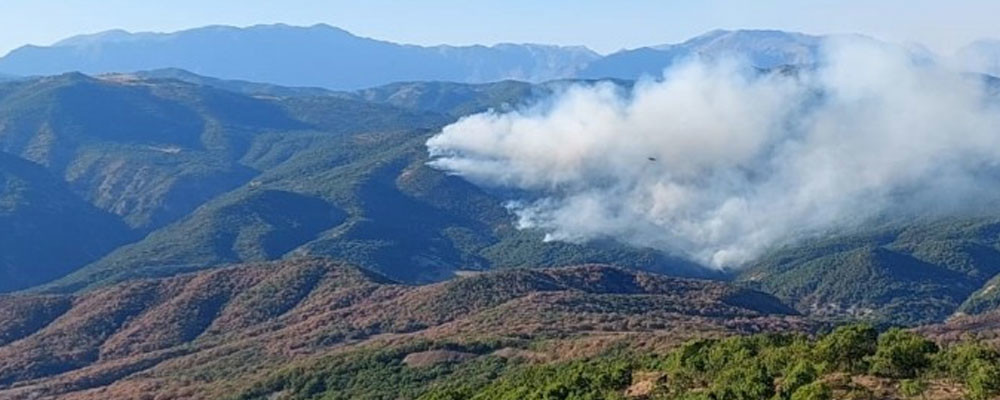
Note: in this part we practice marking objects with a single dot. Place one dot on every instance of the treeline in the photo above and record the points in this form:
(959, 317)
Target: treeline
(852, 362)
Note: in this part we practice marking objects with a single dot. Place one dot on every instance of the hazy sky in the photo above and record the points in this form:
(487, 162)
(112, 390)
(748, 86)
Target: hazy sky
(602, 25)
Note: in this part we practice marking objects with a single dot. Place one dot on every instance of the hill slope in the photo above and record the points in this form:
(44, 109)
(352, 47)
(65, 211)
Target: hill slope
(915, 273)
(147, 153)
(377, 205)
(203, 333)
(46, 227)
(208, 176)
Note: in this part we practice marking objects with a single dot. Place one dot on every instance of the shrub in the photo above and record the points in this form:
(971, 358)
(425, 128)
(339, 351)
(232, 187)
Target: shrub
(983, 380)
(954, 361)
(800, 375)
(902, 354)
(448, 394)
(745, 381)
(579, 380)
(846, 348)
(813, 391)
(913, 387)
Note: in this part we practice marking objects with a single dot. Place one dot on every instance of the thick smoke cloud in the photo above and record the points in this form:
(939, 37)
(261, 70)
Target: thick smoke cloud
(719, 162)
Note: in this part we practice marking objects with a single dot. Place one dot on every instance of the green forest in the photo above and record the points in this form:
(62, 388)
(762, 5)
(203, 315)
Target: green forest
(850, 362)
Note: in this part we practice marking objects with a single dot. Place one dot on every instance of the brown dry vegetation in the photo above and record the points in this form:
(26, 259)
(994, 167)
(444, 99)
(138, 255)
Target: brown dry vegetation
(208, 334)
(984, 328)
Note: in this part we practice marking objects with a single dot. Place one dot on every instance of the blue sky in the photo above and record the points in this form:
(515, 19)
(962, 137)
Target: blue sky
(602, 25)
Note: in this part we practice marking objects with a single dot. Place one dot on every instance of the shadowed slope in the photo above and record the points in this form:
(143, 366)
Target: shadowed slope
(46, 228)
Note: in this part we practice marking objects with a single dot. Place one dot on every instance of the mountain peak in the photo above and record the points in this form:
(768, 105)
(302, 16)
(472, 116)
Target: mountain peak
(752, 36)
(762, 48)
(104, 37)
(738, 35)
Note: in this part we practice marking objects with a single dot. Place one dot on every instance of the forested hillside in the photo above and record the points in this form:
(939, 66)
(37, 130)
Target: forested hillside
(906, 274)
(195, 172)
(202, 175)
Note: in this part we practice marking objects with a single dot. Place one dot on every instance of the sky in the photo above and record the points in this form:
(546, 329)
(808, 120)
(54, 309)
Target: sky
(605, 26)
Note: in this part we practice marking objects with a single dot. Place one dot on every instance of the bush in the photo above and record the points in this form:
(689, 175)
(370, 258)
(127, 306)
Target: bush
(800, 375)
(913, 387)
(847, 347)
(983, 380)
(813, 391)
(955, 360)
(902, 354)
(448, 394)
(579, 380)
(748, 381)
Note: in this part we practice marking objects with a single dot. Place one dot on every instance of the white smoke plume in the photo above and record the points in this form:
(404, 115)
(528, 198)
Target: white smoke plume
(718, 162)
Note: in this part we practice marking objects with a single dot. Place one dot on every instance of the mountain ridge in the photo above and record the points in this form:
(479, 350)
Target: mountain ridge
(107, 342)
(336, 58)
(325, 56)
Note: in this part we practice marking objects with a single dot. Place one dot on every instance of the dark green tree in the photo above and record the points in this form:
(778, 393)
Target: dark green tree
(745, 381)
(847, 347)
(902, 354)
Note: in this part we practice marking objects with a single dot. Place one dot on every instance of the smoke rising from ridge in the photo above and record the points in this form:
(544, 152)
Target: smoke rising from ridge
(718, 162)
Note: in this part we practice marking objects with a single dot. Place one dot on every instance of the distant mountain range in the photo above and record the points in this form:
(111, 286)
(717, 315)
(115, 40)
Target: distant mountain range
(319, 55)
(328, 57)
(762, 48)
